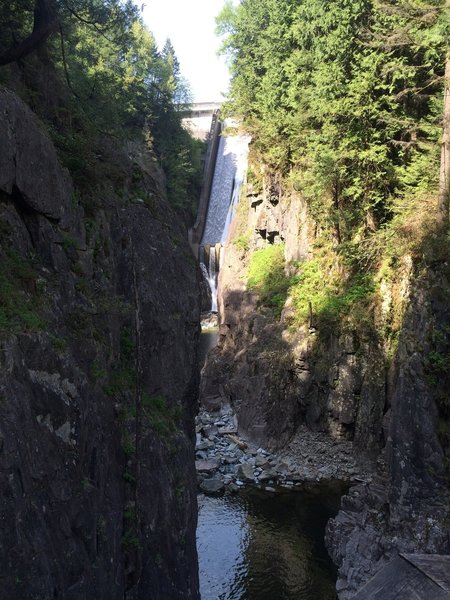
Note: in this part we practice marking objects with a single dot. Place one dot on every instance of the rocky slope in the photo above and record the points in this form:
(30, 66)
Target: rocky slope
(285, 383)
(99, 321)
(407, 507)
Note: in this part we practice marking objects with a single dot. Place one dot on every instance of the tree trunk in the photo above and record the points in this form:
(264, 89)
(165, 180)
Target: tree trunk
(45, 23)
(444, 175)
(336, 234)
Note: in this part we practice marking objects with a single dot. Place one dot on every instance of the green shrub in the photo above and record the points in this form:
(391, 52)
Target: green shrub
(123, 376)
(69, 243)
(267, 276)
(163, 419)
(242, 241)
(331, 298)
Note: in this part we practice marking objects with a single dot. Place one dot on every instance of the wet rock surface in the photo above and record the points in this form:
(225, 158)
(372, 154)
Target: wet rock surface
(209, 320)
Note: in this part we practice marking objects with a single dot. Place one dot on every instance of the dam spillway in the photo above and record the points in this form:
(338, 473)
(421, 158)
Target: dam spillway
(229, 173)
(231, 164)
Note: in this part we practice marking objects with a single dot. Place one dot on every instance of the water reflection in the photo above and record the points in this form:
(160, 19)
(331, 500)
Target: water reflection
(208, 340)
(222, 536)
(263, 546)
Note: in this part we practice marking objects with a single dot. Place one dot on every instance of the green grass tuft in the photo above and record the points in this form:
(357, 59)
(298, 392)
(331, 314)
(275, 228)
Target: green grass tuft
(267, 276)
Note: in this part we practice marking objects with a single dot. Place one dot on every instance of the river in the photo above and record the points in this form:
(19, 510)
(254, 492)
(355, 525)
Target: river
(260, 545)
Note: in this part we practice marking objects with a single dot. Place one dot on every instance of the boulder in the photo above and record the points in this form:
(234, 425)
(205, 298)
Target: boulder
(245, 472)
(207, 466)
(268, 475)
(212, 486)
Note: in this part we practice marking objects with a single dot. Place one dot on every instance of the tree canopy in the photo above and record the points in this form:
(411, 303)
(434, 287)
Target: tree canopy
(118, 82)
(342, 97)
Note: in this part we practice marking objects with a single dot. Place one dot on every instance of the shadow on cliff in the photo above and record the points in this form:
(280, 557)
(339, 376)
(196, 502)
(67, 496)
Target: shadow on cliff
(409, 502)
(331, 372)
(278, 375)
(418, 445)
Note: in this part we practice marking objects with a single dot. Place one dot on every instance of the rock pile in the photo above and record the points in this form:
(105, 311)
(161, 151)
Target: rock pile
(209, 320)
(226, 463)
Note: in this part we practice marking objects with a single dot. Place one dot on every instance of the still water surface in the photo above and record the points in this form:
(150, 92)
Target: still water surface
(265, 546)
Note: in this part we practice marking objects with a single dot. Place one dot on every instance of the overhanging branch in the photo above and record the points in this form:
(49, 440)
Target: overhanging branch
(45, 23)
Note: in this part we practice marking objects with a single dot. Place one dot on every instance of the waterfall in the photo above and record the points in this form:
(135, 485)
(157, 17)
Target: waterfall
(229, 173)
(210, 273)
(212, 280)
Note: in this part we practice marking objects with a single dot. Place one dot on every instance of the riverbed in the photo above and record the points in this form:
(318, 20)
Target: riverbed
(259, 545)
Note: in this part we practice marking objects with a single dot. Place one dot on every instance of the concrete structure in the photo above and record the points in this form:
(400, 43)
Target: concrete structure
(213, 137)
(198, 118)
(410, 577)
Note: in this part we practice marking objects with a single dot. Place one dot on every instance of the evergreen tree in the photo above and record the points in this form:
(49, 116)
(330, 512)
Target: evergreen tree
(120, 84)
(344, 98)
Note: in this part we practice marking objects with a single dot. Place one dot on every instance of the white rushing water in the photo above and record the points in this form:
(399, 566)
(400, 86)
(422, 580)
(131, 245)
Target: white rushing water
(229, 173)
(210, 274)
(231, 165)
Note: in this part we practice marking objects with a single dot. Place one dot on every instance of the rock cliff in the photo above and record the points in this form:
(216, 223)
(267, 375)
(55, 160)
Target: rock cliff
(349, 382)
(406, 507)
(277, 376)
(99, 318)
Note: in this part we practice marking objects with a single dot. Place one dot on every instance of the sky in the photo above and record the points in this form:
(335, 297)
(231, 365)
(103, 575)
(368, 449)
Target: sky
(190, 26)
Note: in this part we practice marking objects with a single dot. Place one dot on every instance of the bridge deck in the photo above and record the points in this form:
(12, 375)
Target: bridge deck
(410, 577)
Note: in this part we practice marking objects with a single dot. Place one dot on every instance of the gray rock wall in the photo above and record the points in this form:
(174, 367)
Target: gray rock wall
(276, 378)
(406, 508)
(279, 380)
(88, 510)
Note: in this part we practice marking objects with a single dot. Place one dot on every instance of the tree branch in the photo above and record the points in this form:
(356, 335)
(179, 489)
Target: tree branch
(66, 72)
(45, 23)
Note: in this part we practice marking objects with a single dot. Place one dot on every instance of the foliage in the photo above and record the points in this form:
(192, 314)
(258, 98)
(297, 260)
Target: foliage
(345, 99)
(130, 537)
(266, 275)
(242, 241)
(113, 83)
(317, 285)
(122, 379)
(163, 419)
(329, 301)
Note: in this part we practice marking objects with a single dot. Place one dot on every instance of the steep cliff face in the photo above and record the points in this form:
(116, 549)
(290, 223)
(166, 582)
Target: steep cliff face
(406, 508)
(99, 324)
(378, 379)
(279, 376)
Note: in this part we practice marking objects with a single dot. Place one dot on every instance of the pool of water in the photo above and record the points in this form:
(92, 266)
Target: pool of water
(266, 546)
(208, 340)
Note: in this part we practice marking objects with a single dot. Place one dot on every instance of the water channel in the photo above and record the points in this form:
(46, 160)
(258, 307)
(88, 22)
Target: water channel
(257, 545)
(260, 545)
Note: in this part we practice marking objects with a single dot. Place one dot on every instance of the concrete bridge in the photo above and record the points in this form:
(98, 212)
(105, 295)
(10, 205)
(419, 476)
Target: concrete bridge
(197, 118)
(410, 577)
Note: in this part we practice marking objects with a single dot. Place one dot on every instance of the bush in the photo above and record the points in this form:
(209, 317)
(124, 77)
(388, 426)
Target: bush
(331, 296)
(267, 276)
(19, 296)
(163, 419)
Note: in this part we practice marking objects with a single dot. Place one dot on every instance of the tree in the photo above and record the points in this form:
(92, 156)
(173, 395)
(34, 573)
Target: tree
(121, 84)
(444, 175)
(426, 25)
(341, 98)
(47, 18)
